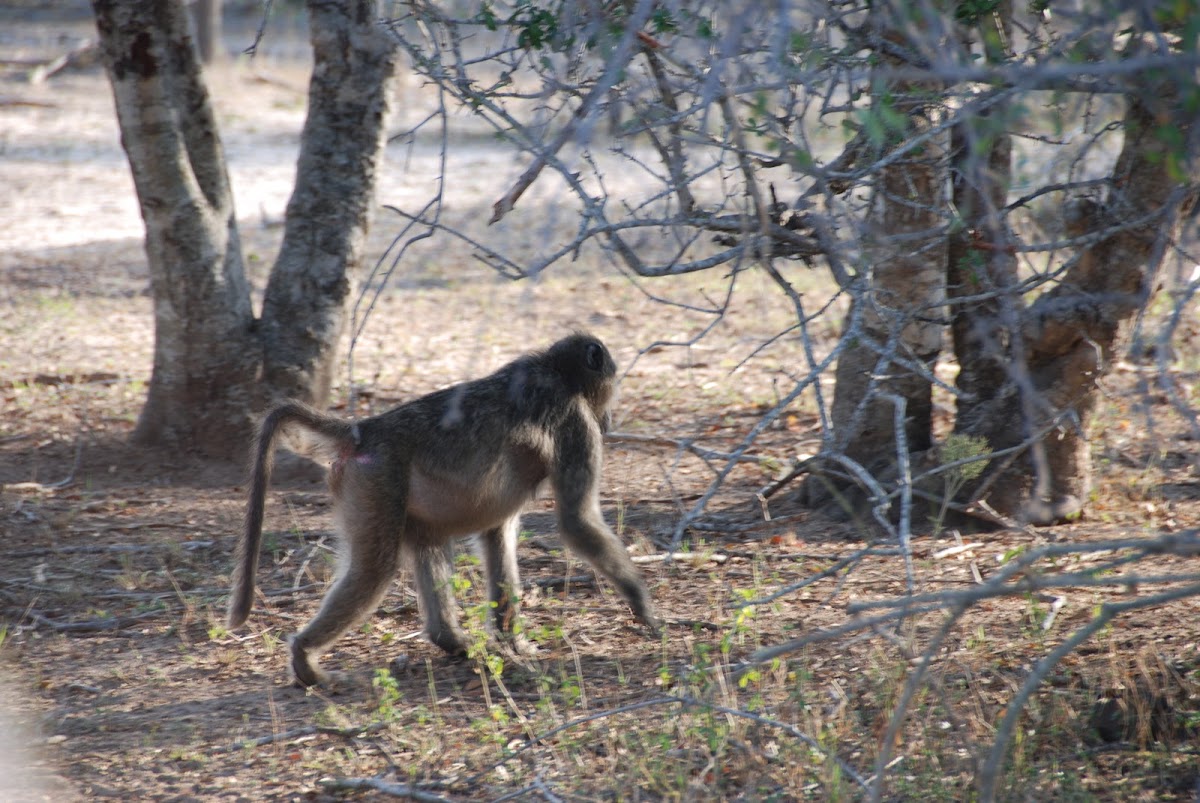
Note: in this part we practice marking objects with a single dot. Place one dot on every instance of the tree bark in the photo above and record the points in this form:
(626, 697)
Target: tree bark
(315, 280)
(901, 305)
(204, 355)
(207, 16)
(209, 350)
(1066, 339)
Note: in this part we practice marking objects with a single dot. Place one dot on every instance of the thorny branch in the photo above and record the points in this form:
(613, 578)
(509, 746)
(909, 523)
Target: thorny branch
(735, 138)
(1025, 574)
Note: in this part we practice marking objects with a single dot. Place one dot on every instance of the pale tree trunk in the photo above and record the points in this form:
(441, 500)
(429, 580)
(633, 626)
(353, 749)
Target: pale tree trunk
(213, 362)
(204, 353)
(1066, 339)
(900, 308)
(315, 279)
(207, 16)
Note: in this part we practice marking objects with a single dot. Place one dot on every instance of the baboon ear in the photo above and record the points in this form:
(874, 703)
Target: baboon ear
(595, 356)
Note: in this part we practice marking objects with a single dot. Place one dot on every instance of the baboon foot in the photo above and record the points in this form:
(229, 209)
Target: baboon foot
(521, 646)
(307, 673)
(452, 642)
(653, 626)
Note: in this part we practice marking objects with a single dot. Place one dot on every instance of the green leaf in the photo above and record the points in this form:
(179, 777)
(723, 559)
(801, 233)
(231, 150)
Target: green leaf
(487, 17)
(662, 21)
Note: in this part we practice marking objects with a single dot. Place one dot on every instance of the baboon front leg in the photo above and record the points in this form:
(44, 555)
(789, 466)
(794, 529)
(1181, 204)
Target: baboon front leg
(433, 565)
(590, 538)
(576, 480)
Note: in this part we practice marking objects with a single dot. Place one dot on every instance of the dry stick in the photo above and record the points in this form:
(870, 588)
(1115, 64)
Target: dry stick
(386, 787)
(1033, 584)
(672, 153)
(735, 456)
(768, 654)
(1108, 611)
(686, 702)
(1164, 341)
(910, 690)
(93, 625)
(1010, 453)
(904, 535)
(94, 548)
(830, 571)
(612, 74)
(611, 712)
(685, 444)
(538, 786)
(296, 733)
(121, 622)
(1184, 544)
(508, 127)
(727, 529)
(252, 50)
(435, 203)
(791, 730)
(879, 510)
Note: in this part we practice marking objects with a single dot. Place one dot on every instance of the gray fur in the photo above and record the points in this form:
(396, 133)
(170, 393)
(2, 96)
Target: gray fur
(464, 460)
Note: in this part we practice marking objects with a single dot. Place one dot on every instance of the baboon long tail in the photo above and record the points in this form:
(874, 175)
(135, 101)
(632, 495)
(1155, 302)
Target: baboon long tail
(326, 428)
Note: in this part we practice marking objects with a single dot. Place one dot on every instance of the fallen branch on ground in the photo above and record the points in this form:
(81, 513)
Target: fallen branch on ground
(386, 787)
(297, 733)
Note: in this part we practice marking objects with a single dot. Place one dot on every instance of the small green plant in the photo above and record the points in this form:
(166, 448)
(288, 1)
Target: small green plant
(478, 649)
(957, 448)
(978, 639)
(271, 643)
(1035, 615)
(388, 694)
(131, 577)
(740, 628)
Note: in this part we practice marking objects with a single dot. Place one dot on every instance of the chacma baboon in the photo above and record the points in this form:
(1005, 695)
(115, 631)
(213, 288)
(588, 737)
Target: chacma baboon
(460, 461)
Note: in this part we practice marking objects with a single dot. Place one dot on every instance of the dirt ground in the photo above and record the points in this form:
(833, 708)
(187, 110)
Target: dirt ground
(114, 562)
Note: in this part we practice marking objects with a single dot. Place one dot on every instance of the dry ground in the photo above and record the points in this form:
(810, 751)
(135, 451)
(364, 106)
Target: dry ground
(114, 562)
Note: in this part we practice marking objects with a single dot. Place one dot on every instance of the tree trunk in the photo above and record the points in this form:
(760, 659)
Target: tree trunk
(204, 354)
(1067, 338)
(208, 347)
(315, 280)
(901, 306)
(207, 15)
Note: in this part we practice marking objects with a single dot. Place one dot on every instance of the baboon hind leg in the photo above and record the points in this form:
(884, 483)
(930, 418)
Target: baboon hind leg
(368, 563)
(433, 565)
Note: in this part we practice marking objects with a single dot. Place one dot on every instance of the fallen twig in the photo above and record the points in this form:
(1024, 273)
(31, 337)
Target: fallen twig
(694, 558)
(98, 548)
(664, 700)
(386, 787)
(297, 733)
(554, 583)
(684, 444)
(93, 625)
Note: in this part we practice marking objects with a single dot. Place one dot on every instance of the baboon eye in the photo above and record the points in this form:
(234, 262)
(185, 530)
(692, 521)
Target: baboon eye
(595, 357)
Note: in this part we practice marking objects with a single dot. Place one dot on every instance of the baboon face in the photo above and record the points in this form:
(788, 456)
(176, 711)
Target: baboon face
(587, 368)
